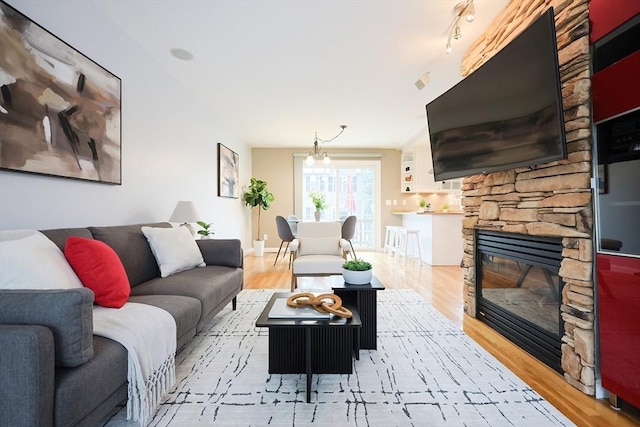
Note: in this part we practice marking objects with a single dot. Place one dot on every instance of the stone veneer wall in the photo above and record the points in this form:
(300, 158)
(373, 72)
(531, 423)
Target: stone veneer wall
(552, 199)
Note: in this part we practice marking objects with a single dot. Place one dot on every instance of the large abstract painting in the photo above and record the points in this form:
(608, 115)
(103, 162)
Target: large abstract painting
(228, 172)
(59, 110)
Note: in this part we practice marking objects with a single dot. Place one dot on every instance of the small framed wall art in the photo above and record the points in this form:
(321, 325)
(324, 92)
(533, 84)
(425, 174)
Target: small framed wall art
(228, 172)
(59, 110)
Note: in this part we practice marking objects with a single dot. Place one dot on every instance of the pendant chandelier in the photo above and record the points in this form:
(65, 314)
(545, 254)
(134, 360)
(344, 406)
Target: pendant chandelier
(317, 153)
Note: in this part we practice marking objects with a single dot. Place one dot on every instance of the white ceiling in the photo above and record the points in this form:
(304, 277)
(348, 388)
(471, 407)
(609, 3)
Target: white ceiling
(275, 72)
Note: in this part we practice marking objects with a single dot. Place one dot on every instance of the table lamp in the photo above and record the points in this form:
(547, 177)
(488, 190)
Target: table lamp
(185, 213)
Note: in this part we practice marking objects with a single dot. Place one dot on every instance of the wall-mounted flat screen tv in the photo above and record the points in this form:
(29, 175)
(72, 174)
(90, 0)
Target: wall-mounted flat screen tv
(504, 115)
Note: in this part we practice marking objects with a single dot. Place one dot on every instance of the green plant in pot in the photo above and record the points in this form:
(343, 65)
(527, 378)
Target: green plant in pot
(257, 195)
(357, 272)
(423, 205)
(205, 230)
(319, 200)
(445, 208)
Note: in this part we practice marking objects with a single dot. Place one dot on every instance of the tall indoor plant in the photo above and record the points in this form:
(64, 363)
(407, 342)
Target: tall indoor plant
(258, 196)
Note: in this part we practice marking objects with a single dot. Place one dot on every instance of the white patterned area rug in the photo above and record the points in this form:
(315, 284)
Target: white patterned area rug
(425, 372)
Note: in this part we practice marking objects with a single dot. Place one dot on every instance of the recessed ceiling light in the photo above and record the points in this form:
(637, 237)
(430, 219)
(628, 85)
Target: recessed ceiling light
(180, 53)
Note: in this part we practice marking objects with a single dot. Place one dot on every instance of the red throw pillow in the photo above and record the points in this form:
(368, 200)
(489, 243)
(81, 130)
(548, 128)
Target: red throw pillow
(99, 269)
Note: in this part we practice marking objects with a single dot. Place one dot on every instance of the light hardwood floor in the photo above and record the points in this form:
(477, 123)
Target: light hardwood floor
(442, 287)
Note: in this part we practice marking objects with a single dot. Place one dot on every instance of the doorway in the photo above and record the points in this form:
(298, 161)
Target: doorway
(351, 187)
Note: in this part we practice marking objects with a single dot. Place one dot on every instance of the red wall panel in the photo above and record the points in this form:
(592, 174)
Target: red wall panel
(606, 15)
(616, 89)
(619, 320)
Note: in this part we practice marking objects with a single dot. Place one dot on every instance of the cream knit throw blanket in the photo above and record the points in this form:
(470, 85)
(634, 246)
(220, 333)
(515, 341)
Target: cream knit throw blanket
(149, 335)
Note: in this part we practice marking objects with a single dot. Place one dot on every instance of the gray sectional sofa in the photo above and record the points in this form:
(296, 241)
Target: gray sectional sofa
(54, 371)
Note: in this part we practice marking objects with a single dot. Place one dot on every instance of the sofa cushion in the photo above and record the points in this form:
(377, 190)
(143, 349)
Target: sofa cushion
(59, 236)
(318, 264)
(319, 246)
(29, 260)
(99, 269)
(67, 312)
(132, 248)
(185, 311)
(211, 285)
(79, 391)
(175, 249)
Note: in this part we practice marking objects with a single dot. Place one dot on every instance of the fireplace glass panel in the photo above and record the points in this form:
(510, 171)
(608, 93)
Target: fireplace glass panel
(528, 291)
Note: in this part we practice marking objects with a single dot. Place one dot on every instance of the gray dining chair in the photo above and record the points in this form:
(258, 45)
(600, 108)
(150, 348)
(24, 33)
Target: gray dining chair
(348, 231)
(286, 235)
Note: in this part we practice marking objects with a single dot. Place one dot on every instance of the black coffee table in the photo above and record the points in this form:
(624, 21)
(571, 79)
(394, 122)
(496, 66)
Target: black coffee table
(304, 346)
(364, 298)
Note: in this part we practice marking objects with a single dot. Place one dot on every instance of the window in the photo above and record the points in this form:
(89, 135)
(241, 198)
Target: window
(351, 187)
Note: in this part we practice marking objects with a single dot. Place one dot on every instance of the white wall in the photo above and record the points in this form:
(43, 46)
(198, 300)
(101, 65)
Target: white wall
(169, 143)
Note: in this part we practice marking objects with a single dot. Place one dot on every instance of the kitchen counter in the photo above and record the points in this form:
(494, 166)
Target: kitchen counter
(441, 240)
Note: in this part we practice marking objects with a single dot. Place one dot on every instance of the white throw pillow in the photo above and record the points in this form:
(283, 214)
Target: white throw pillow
(174, 248)
(319, 246)
(29, 260)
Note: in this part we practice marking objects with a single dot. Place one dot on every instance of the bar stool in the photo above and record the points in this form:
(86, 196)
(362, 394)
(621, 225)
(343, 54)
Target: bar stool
(390, 238)
(404, 246)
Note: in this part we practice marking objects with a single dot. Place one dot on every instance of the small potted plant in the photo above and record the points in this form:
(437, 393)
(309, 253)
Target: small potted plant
(423, 205)
(205, 231)
(357, 272)
(320, 202)
(445, 208)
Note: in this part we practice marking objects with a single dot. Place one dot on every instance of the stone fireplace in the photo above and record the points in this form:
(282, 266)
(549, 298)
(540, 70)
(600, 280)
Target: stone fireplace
(550, 200)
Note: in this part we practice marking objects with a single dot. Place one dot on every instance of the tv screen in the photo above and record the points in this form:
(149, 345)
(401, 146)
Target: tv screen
(506, 114)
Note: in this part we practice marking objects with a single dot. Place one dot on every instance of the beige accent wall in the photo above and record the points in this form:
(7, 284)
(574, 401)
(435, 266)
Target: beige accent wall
(275, 165)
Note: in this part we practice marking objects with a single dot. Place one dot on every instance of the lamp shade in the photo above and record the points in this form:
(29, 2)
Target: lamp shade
(185, 212)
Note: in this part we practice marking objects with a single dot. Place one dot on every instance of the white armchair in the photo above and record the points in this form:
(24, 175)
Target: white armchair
(318, 250)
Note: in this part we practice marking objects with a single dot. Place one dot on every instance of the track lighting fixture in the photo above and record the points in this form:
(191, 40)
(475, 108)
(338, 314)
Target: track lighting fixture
(464, 9)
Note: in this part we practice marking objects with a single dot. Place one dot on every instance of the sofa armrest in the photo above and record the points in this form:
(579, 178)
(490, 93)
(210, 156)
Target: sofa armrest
(345, 246)
(225, 252)
(293, 246)
(27, 370)
(68, 313)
